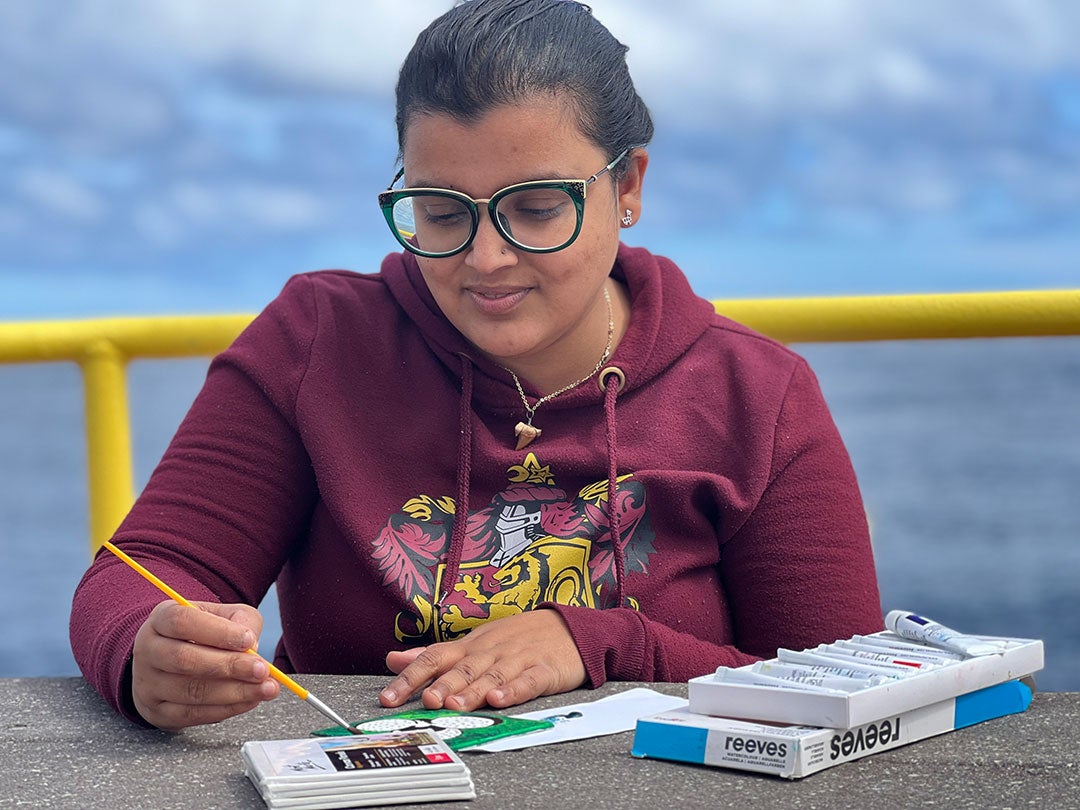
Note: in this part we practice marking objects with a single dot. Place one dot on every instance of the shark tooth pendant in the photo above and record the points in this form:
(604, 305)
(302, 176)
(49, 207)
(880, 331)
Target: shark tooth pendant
(525, 434)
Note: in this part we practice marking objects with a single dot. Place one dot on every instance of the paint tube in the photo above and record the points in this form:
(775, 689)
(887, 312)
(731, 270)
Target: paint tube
(919, 628)
(877, 659)
(896, 643)
(839, 668)
(746, 677)
(819, 659)
(912, 658)
(817, 675)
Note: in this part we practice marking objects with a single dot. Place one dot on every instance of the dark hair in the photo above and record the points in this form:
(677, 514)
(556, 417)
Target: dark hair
(485, 53)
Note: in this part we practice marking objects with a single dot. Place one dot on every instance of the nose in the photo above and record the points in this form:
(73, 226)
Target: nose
(489, 251)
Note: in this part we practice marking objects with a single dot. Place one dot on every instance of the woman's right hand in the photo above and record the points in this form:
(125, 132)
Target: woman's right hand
(190, 666)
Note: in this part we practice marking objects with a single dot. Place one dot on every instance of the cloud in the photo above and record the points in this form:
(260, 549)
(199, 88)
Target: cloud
(325, 45)
(140, 129)
(59, 194)
(779, 58)
(900, 112)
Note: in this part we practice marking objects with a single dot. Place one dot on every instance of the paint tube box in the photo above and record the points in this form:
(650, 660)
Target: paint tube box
(708, 695)
(793, 752)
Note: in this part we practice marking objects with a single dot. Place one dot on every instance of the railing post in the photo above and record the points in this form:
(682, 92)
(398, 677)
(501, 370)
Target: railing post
(108, 439)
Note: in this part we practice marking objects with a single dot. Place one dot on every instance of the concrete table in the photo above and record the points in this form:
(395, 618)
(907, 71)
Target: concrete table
(62, 747)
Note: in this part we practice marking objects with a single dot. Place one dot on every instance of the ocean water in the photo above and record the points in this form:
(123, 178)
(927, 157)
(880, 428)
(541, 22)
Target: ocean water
(968, 453)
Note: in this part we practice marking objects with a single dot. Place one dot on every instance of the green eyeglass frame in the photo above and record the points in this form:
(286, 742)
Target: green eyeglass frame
(574, 189)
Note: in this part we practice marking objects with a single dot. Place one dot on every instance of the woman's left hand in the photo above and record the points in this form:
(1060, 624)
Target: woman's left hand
(501, 663)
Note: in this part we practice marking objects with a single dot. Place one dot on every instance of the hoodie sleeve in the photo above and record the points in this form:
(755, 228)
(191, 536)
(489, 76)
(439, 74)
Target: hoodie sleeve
(217, 517)
(798, 572)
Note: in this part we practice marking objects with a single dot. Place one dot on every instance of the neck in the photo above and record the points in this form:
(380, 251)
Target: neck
(547, 376)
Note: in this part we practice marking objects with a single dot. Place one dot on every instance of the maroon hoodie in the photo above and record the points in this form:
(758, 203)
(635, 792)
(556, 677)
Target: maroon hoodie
(336, 440)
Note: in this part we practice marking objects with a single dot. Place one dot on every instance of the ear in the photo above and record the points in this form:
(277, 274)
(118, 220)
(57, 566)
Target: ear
(631, 183)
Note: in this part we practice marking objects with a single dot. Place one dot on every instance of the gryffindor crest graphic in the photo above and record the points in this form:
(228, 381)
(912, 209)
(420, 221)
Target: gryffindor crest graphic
(531, 544)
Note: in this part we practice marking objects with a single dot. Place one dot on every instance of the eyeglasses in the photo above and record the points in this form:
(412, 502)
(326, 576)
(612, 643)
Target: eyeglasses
(540, 216)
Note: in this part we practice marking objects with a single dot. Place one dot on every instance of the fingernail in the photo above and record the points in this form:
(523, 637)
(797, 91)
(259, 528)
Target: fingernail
(389, 694)
(247, 641)
(268, 689)
(497, 695)
(260, 670)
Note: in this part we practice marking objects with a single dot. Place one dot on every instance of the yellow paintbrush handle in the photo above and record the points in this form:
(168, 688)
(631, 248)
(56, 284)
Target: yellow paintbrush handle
(285, 680)
(149, 577)
(275, 673)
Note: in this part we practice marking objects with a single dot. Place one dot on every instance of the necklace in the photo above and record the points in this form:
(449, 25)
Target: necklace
(526, 431)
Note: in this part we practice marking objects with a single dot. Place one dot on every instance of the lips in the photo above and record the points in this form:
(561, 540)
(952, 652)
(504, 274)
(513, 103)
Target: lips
(497, 301)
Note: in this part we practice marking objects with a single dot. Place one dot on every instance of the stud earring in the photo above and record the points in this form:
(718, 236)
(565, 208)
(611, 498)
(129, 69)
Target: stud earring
(628, 220)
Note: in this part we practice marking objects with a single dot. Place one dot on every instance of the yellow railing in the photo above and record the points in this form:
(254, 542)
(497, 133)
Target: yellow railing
(103, 347)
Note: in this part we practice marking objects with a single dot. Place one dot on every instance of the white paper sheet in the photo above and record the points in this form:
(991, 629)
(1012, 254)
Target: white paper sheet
(597, 718)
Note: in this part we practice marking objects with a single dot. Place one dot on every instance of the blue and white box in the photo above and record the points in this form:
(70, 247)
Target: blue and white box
(793, 752)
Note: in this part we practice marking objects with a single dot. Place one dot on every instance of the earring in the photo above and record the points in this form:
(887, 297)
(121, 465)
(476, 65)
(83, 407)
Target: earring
(628, 220)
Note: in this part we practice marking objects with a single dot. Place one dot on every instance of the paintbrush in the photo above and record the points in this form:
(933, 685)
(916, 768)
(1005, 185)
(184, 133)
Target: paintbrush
(275, 673)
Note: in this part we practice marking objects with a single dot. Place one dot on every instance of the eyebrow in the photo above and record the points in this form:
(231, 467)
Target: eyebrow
(424, 183)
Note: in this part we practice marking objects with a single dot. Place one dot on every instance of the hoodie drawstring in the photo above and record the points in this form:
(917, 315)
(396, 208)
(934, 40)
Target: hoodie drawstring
(611, 382)
(464, 473)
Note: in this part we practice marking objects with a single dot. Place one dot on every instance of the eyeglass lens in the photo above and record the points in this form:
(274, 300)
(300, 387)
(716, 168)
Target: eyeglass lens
(539, 218)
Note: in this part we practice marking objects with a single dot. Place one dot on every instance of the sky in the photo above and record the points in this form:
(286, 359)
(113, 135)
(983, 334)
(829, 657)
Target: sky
(191, 155)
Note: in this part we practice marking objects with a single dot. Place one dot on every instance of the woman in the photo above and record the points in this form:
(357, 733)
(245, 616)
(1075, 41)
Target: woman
(649, 490)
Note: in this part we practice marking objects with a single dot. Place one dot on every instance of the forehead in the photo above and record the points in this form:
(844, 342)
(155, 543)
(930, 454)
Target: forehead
(533, 139)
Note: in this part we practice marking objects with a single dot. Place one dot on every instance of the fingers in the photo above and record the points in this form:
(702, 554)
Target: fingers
(176, 717)
(194, 660)
(174, 702)
(417, 674)
(192, 666)
(204, 626)
(244, 615)
(446, 670)
(462, 690)
(524, 687)
(397, 660)
(502, 663)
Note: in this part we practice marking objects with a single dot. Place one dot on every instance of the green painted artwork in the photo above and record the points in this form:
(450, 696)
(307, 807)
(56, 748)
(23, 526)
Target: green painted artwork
(461, 730)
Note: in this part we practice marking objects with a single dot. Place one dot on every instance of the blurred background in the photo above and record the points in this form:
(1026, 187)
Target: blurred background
(189, 156)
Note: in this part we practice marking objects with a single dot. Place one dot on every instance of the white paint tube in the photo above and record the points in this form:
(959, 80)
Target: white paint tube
(839, 668)
(908, 647)
(919, 628)
(746, 677)
(877, 659)
(870, 667)
(817, 675)
(923, 660)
